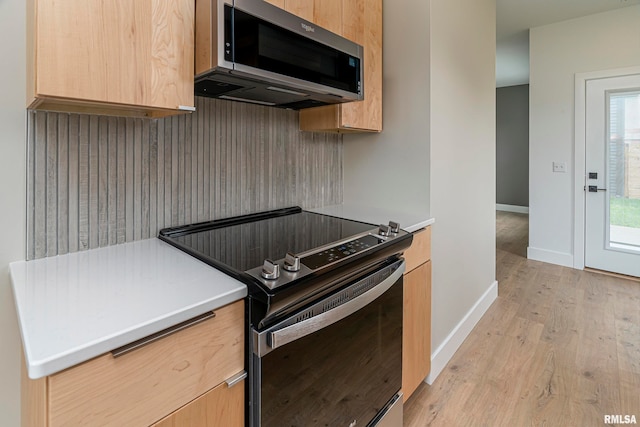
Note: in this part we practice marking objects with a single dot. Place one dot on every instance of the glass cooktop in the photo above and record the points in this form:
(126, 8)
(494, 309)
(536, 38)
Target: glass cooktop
(244, 244)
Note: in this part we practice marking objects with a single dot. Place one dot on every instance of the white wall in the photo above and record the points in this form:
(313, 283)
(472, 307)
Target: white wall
(393, 167)
(436, 154)
(559, 51)
(463, 153)
(12, 196)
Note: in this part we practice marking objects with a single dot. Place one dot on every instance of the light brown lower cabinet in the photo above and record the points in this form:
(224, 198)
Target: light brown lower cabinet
(222, 406)
(180, 376)
(416, 324)
(416, 329)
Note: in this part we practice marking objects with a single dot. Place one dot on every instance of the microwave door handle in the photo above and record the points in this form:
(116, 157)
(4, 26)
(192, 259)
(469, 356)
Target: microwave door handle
(288, 334)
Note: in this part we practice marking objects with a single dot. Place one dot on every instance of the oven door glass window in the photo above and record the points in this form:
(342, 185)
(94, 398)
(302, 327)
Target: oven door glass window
(343, 373)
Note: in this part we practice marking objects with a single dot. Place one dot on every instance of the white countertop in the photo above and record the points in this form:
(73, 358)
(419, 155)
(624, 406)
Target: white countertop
(74, 307)
(409, 221)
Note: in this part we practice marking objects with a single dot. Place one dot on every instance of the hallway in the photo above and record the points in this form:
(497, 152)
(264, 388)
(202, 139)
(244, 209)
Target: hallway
(559, 347)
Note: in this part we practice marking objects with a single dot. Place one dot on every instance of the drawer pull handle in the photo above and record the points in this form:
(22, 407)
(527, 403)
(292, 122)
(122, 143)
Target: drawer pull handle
(120, 351)
(236, 379)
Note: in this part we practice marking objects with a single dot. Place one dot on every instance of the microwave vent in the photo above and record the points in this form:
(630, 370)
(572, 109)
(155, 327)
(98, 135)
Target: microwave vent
(213, 88)
(306, 103)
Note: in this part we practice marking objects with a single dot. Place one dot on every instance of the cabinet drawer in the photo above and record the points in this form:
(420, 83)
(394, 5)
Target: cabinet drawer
(145, 385)
(222, 406)
(420, 250)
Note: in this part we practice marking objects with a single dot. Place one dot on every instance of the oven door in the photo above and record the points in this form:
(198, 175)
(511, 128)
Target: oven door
(335, 363)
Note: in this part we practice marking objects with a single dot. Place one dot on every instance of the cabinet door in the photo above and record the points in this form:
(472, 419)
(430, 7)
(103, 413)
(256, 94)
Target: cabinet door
(328, 15)
(301, 8)
(416, 328)
(279, 3)
(353, 20)
(115, 53)
(325, 13)
(367, 114)
(221, 406)
(171, 54)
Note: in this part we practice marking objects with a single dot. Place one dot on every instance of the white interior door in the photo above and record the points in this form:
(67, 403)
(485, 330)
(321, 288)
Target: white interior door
(612, 211)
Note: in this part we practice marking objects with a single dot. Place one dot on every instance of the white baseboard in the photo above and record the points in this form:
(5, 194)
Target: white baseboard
(552, 257)
(454, 340)
(512, 208)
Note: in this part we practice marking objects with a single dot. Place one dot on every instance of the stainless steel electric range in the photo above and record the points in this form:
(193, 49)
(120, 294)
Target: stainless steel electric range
(324, 316)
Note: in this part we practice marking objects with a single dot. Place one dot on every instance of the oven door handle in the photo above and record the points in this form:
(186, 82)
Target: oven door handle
(280, 337)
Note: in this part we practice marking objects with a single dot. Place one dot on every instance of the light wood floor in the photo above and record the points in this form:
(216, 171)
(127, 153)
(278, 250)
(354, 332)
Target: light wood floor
(559, 347)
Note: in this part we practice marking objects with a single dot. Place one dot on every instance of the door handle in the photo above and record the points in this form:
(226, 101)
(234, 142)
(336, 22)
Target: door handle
(290, 330)
(301, 329)
(595, 189)
(236, 379)
(127, 348)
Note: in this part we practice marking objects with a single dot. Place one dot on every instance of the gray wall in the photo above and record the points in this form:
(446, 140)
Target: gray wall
(94, 181)
(512, 145)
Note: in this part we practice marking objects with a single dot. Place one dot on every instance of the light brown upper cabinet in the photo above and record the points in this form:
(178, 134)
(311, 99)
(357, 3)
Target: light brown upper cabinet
(328, 14)
(279, 3)
(302, 8)
(361, 22)
(325, 13)
(117, 57)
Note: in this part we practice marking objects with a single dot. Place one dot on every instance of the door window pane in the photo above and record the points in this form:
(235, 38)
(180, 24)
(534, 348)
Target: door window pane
(623, 174)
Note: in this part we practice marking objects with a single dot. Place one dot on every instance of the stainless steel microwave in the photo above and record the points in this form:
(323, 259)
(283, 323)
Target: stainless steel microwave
(252, 51)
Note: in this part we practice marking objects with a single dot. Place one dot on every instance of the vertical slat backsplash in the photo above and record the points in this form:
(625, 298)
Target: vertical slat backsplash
(95, 181)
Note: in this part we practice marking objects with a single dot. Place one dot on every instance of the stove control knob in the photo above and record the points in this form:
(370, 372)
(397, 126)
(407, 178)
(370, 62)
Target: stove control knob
(291, 262)
(270, 270)
(384, 230)
(394, 226)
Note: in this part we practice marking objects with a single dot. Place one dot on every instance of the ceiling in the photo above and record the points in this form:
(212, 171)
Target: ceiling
(515, 17)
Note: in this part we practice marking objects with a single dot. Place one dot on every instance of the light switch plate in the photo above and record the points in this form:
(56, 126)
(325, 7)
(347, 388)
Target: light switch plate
(560, 167)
